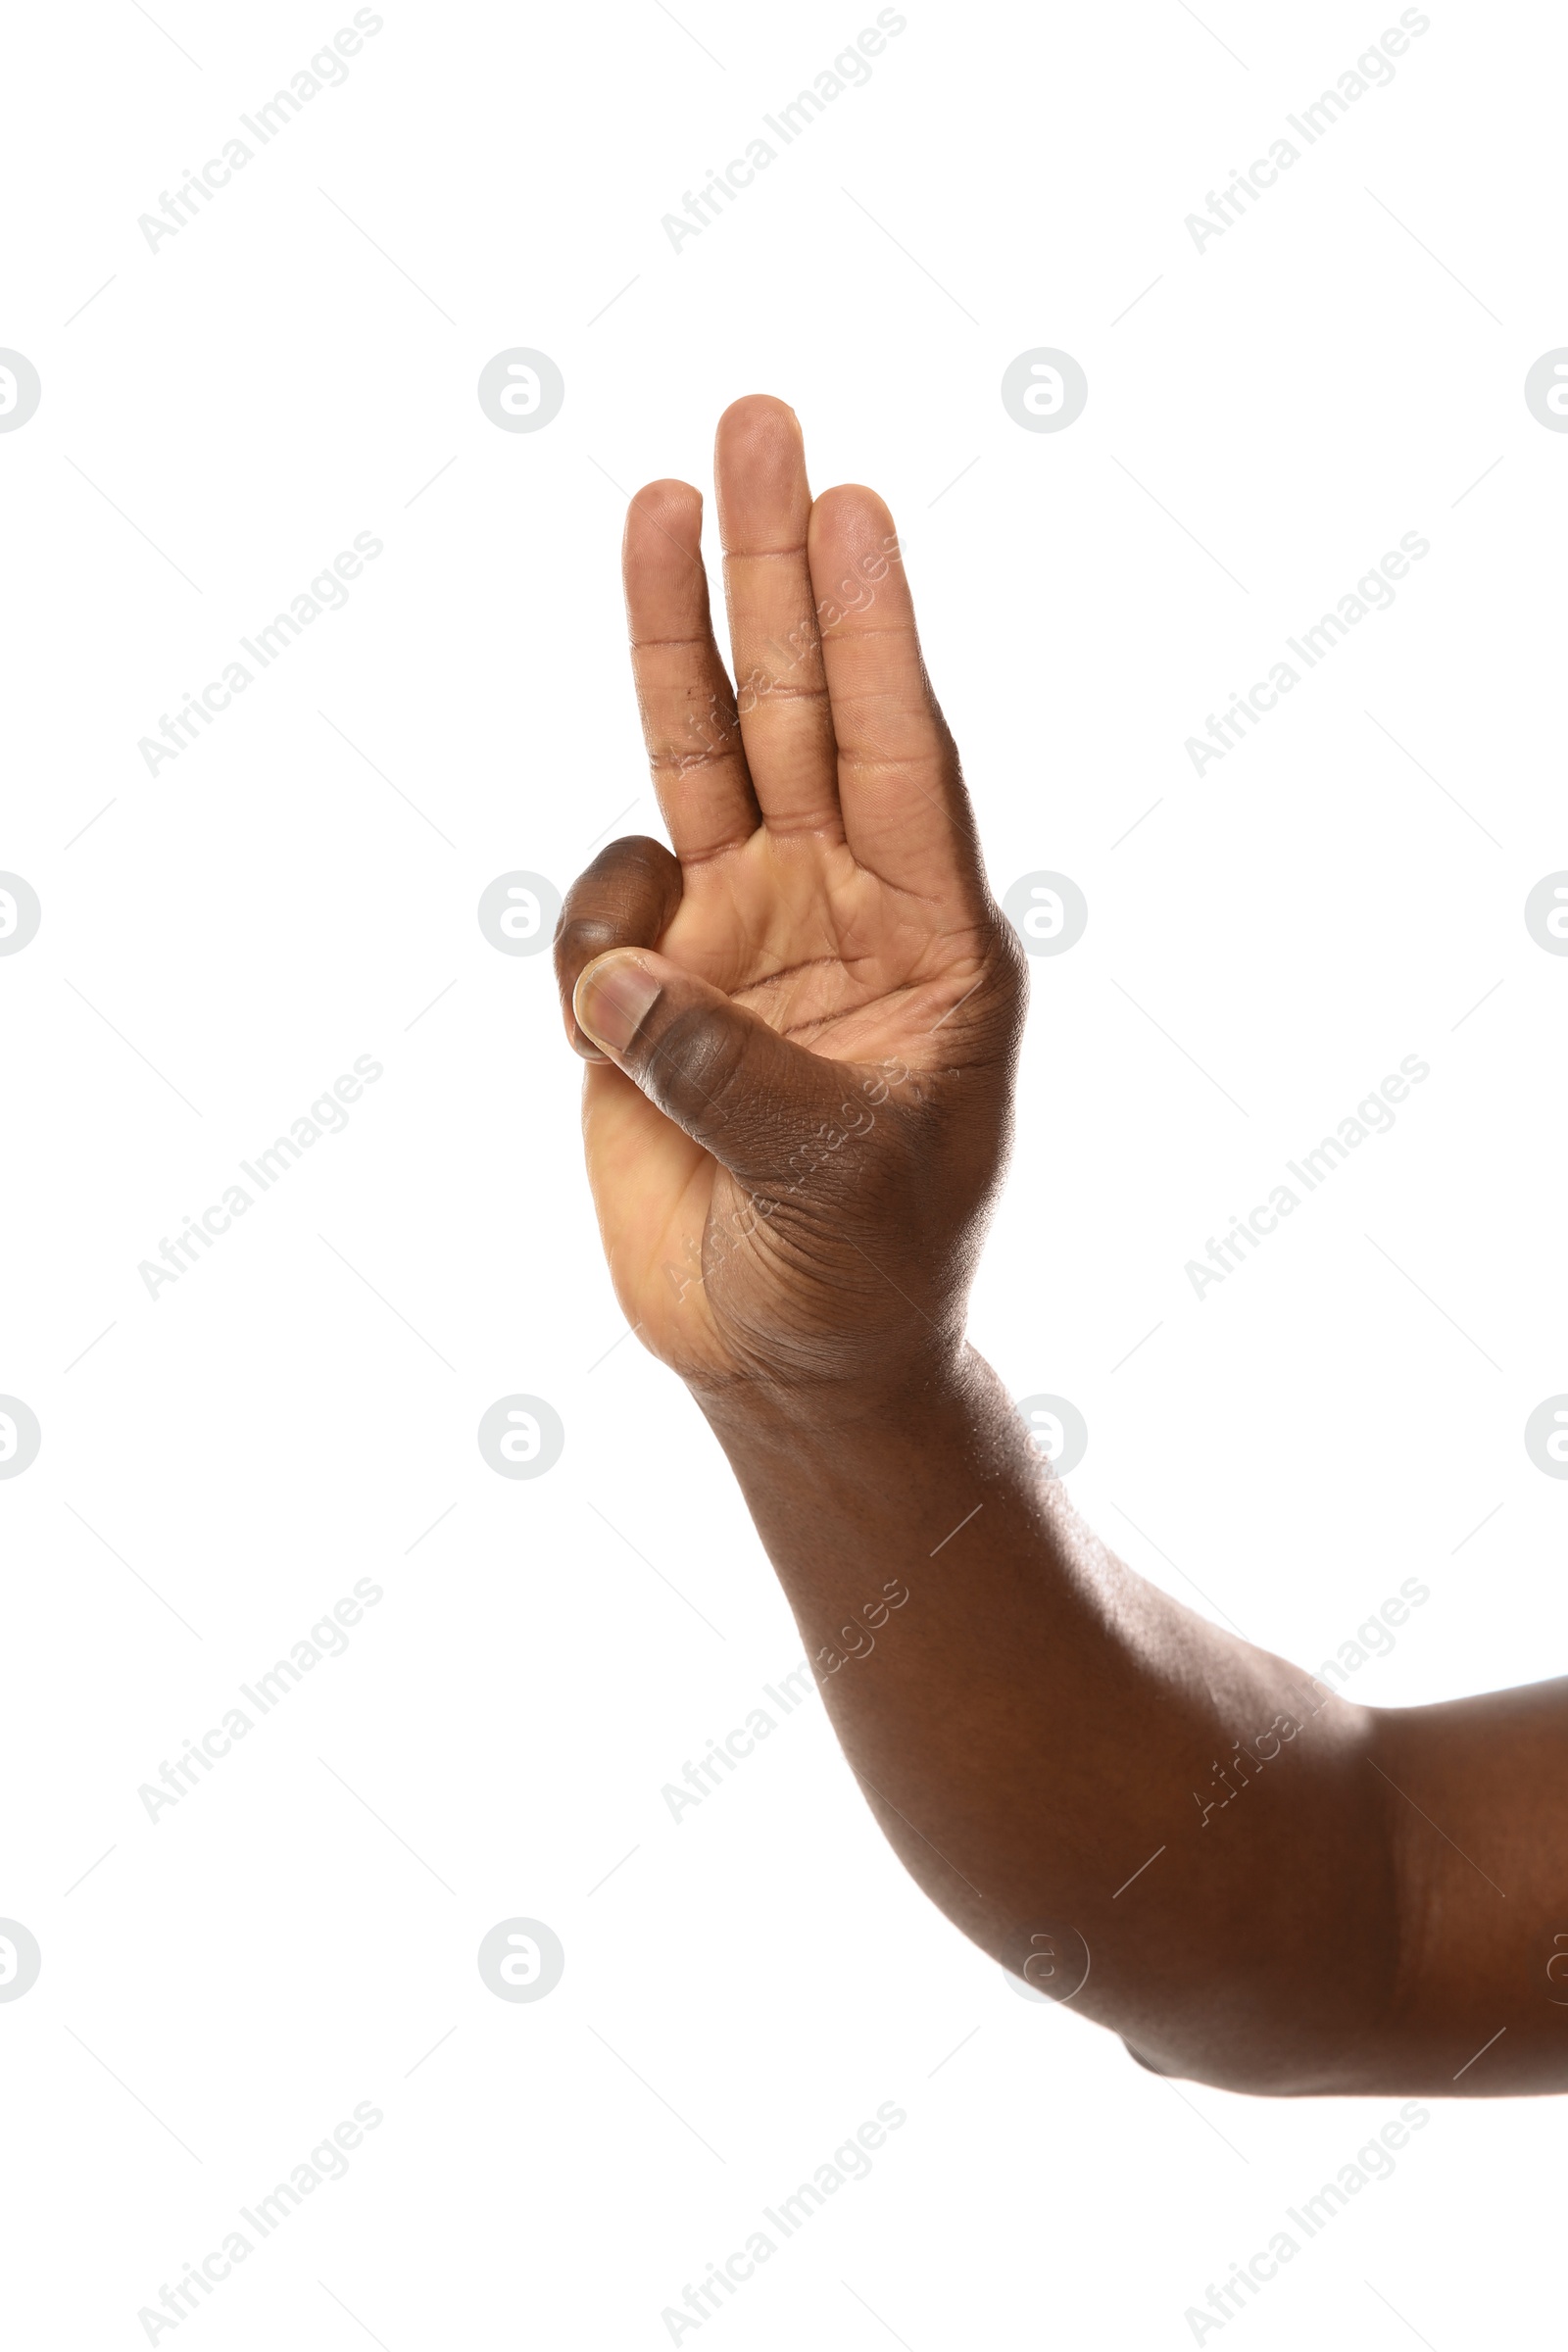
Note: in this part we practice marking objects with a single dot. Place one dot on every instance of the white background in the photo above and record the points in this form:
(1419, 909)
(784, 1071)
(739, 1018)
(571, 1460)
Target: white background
(1341, 368)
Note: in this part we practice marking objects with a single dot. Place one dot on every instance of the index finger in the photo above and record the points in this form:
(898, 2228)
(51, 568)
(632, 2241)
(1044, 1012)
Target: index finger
(684, 694)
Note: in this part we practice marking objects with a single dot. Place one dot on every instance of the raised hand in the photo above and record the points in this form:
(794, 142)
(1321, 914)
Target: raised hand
(802, 1031)
(803, 1025)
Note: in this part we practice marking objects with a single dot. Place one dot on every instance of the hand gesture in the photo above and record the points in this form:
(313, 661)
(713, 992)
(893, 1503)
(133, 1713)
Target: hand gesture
(801, 1025)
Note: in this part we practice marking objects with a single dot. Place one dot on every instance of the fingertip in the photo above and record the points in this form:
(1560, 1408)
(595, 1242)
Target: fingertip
(756, 417)
(668, 489)
(856, 560)
(851, 517)
(667, 507)
(760, 477)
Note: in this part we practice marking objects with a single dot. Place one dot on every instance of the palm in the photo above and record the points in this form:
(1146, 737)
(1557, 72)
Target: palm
(827, 878)
(827, 955)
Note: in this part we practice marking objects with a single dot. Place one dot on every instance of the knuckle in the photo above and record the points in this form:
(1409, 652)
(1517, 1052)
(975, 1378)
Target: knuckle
(581, 937)
(632, 853)
(696, 1069)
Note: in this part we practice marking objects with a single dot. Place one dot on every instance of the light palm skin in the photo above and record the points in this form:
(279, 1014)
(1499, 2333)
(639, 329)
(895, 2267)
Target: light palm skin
(828, 883)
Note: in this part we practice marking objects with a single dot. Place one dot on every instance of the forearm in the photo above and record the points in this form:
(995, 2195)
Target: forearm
(1034, 1723)
(804, 1018)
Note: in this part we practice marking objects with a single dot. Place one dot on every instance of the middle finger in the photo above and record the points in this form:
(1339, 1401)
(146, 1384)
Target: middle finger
(765, 503)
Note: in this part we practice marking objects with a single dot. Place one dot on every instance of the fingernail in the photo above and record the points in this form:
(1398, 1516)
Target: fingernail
(613, 999)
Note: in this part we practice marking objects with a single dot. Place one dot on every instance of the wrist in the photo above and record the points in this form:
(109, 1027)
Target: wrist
(838, 1411)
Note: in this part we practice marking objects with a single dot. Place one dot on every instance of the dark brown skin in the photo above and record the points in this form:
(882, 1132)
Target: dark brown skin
(802, 1031)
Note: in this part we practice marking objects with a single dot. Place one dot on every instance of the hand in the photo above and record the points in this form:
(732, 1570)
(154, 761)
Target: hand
(803, 1025)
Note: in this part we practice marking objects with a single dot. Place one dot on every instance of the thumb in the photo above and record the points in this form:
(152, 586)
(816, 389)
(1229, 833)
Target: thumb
(737, 1088)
